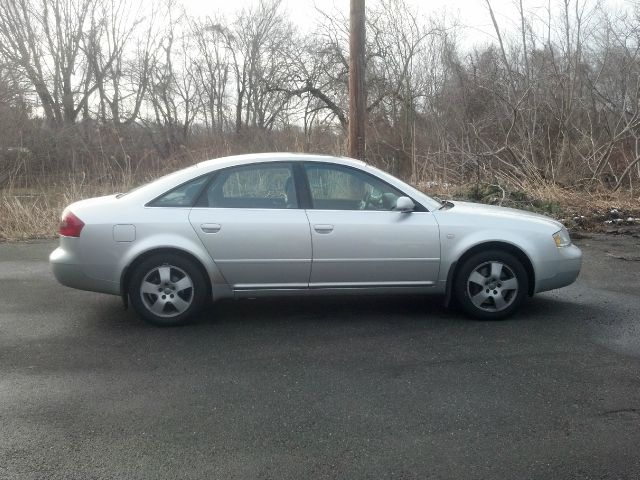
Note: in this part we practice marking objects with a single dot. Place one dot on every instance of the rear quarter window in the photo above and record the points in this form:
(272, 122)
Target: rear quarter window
(184, 195)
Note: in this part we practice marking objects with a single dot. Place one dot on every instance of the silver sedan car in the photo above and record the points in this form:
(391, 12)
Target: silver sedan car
(292, 224)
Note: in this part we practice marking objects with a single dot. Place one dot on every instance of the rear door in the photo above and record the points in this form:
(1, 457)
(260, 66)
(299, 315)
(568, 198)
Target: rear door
(359, 240)
(250, 222)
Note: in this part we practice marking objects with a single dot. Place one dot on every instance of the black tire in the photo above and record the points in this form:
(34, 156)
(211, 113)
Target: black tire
(167, 289)
(487, 296)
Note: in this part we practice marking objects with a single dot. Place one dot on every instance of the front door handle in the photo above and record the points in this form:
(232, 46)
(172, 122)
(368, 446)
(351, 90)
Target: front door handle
(323, 228)
(210, 227)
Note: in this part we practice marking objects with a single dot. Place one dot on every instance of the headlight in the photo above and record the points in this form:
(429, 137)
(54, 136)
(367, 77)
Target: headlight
(562, 238)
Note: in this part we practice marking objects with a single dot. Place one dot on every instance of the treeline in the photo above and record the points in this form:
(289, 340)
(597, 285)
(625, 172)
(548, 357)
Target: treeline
(121, 88)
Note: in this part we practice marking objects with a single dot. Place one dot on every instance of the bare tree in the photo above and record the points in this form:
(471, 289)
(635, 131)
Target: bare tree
(261, 44)
(120, 48)
(44, 39)
(173, 90)
(553, 97)
(213, 70)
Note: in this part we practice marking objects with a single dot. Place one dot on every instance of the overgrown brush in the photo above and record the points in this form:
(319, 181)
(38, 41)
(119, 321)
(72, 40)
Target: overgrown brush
(35, 212)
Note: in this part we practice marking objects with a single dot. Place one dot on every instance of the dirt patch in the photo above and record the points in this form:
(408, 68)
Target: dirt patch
(614, 213)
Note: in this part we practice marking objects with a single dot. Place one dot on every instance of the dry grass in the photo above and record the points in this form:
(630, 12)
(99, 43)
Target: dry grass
(34, 213)
(27, 218)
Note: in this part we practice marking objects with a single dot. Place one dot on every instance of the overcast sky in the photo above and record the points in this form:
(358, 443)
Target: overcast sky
(471, 13)
(303, 12)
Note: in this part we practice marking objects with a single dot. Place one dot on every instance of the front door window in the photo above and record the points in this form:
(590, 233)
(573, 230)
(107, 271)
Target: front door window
(339, 188)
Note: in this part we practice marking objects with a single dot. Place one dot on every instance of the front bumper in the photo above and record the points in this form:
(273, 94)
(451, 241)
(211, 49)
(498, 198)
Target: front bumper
(67, 269)
(567, 268)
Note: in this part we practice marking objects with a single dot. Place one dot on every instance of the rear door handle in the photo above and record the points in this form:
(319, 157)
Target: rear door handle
(210, 227)
(323, 228)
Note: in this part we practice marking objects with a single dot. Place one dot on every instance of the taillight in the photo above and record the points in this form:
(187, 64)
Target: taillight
(70, 225)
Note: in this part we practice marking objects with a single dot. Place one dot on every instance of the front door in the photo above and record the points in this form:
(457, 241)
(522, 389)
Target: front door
(359, 240)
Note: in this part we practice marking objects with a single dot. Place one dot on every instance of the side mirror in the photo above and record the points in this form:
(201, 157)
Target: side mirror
(404, 205)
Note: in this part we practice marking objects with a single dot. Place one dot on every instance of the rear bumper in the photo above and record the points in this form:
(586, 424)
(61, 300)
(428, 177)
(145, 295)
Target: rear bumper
(567, 268)
(68, 271)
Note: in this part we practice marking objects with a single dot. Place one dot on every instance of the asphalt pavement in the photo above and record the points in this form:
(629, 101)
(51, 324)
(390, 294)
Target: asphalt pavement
(358, 387)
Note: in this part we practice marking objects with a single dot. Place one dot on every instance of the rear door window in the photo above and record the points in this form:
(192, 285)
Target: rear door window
(255, 186)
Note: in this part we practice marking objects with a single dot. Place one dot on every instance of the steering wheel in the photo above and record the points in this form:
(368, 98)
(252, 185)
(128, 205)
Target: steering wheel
(371, 202)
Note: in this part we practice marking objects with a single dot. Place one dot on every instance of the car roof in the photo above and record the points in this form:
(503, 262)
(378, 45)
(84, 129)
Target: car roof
(236, 160)
(173, 179)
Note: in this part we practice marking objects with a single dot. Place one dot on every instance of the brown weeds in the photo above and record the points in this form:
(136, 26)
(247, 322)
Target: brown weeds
(31, 204)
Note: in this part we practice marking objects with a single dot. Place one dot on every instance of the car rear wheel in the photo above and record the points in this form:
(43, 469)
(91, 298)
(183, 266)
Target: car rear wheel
(491, 285)
(167, 290)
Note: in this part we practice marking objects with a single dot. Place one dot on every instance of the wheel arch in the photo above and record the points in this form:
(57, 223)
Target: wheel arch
(125, 276)
(491, 245)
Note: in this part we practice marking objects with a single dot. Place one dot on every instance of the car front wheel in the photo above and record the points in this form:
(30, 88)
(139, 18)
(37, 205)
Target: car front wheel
(491, 285)
(167, 290)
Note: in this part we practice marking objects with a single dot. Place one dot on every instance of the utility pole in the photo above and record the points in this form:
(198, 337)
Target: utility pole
(357, 89)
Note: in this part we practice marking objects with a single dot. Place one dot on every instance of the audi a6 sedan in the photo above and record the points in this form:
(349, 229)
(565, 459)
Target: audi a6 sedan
(292, 224)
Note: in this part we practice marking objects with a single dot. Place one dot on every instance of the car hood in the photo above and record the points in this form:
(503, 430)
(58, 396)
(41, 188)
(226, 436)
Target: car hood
(495, 212)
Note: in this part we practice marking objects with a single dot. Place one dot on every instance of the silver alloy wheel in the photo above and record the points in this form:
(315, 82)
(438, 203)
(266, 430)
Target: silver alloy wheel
(492, 286)
(167, 291)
